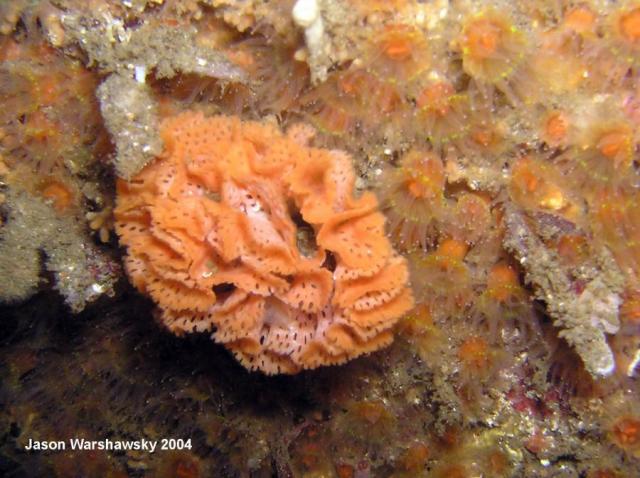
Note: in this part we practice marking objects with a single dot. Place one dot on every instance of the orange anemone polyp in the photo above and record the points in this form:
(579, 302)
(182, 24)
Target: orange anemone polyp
(524, 174)
(474, 353)
(397, 48)
(615, 144)
(483, 38)
(580, 19)
(572, 249)
(425, 177)
(630, 25)
(630, 308)
(436, 97)
(400, 54)
(502, 282)
(626, 432)
(556, 127)
(398, 42)
(353, 82)
(59, 194)
(415, 188)
(484, 137)
(453, 249)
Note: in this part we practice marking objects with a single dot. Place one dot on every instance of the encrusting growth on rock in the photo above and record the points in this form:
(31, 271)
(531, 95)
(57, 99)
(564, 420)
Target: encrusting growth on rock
(239, 229)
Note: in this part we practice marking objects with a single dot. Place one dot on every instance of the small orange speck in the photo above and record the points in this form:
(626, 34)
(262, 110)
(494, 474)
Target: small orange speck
(630, 25)
(530, 181)
(482, 137)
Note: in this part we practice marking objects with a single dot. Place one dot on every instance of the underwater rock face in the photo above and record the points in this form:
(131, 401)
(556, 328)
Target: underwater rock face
(502, 141)
(258, 236)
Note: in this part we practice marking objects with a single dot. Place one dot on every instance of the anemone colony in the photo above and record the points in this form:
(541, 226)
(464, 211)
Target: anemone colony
(303, 181)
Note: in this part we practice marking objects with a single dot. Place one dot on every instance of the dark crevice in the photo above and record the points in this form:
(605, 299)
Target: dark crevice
(305, 234)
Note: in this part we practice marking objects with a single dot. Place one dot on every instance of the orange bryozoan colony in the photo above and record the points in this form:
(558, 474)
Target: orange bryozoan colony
(240, 230)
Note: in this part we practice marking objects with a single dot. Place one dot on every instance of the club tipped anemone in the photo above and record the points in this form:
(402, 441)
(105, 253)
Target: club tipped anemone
(486, 133)
(623, 33)
(442, 114)
(441, 278)
(419, 329)
(630, 309)
(503, 284)
(616, 145)
(555, 128)
(490, 46)
(561, 63)
(277, 77)
(616, 219)
(399, 54)
(621, 422)
(537, 185)
(49, 119)
(343, 105)
(470, 219)
(629, 25)
(601, 157)
(479, 365)
(412, 196)
(572, 249)
(59, 193)
(580, 19)
(494, 53)
(503, 311)
(474, 354)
